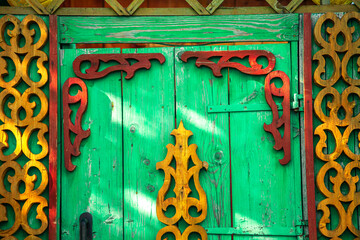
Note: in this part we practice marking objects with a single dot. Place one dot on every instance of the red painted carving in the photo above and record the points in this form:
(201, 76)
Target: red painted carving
(203, 59)
(72, 149)
(143, 61)
(226, 56)
(281, 142)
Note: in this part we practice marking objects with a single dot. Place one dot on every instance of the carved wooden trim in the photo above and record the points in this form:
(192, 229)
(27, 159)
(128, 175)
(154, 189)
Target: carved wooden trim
(203, 59)
(342, 160)
(73, 149)
(224, 62)
(281, 142)
(182, 153)
(143, 61)
(31, 124)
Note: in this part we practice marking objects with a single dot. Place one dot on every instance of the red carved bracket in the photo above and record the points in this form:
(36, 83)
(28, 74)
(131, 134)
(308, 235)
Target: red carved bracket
(270, 89)
(143, 61)
(226, 56)
(281, 142)
(72, 149)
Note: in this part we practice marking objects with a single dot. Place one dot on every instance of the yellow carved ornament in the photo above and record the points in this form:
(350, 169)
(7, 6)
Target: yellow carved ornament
(342, 159)
(19, 118)
(182, 153)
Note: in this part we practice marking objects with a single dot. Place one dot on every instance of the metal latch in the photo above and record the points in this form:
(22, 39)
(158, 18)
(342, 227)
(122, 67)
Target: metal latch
(298, 102)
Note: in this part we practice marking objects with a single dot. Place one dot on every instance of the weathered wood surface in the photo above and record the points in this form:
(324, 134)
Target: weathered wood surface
(148, 118)
(151, 11)
(308, 126)
(175, 29)
(54, 212)
(187, 168)
(97, 184)
(263, 195)
(196, 88)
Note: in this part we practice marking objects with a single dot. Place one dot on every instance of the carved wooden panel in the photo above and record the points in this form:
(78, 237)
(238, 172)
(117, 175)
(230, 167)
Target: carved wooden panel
(339, 127)
(73, 148)
(182, 153)
(203, 59)
(23, 117)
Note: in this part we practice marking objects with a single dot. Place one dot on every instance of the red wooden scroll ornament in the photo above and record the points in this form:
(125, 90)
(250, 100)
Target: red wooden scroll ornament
(203, 59)
(143, 61)
(281, 142)
(226, 56)
(72, 149)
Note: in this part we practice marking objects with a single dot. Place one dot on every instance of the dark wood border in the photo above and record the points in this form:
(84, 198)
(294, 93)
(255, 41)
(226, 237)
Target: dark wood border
(53, 125)
(308, 126)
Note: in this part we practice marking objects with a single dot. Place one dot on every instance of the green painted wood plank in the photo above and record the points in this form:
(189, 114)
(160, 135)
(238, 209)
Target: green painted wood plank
(263, 193)
(295, 136)
(148, 117)
(96, 184)
(175, 29)
(196, 88)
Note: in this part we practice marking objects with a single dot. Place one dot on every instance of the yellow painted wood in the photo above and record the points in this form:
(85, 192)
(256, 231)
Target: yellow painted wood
(184, 156)
(25, 120)
(335, 145)
(357, 3)
(134, 5)
(37, 6)
(54, 5)
(24, 3)
(198, 7)
(117, 7)
(211, 8)
(279, 8)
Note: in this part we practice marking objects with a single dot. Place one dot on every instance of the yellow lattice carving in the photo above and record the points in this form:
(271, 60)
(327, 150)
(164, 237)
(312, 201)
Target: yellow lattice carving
(13, 102)
(340, 128)
(182, 153)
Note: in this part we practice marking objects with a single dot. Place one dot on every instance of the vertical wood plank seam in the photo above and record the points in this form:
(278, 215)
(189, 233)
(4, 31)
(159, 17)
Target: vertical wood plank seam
(308, 112)
(53, 125)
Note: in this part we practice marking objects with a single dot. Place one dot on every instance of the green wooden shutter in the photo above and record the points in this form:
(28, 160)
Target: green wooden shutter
(250, 194)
